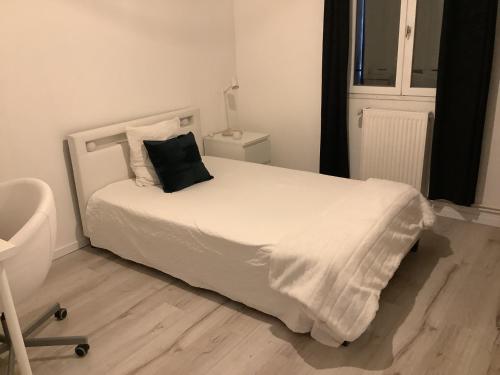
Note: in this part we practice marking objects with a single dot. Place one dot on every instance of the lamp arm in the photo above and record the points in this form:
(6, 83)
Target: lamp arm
(228, 124)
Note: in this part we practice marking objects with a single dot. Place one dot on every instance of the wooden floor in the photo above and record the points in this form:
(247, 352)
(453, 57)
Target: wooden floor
(440, 314)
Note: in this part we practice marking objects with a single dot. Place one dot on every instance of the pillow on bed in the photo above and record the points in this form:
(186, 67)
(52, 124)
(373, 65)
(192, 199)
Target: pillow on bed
(177, 162)
(145, 174)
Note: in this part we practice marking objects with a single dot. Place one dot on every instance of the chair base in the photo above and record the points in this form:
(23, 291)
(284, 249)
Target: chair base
(81, 342)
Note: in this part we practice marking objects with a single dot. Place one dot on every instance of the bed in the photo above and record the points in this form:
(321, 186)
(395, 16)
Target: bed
(312, 250)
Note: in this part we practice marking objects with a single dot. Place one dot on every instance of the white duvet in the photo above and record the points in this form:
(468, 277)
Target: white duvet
(334, 267)
(314, 251)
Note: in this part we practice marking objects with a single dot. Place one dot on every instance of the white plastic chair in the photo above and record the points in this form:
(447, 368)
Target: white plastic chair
(28, 221)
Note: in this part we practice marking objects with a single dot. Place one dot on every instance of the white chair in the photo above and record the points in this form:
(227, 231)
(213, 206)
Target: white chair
(28, 221)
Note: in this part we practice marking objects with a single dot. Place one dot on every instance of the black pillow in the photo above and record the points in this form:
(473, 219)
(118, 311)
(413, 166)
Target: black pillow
(177, 162)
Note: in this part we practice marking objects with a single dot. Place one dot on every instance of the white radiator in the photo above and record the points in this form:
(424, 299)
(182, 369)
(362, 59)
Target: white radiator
(394, 145)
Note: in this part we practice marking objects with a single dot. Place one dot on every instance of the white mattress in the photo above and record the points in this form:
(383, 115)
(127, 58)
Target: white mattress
(217, 234)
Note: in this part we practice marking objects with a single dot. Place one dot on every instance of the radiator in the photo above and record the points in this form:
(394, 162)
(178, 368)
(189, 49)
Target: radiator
(394, 145)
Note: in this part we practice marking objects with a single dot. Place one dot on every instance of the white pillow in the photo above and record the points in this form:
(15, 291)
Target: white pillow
(145, 174)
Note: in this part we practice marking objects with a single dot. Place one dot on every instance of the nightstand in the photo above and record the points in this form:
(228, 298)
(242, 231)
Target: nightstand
(252, 147)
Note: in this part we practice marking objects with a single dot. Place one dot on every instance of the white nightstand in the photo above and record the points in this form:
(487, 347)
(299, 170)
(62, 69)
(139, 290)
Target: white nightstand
(252, 147)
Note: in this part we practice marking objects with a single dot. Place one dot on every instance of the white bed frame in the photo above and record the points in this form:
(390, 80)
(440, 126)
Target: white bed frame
(101, 156)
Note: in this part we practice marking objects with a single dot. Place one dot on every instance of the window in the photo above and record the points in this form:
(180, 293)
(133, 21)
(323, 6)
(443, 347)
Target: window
(395, 46)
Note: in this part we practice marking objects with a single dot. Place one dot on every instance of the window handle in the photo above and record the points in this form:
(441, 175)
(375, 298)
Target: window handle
(408, 31)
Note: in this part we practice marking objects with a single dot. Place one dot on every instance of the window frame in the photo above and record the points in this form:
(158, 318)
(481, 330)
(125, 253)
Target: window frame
(407, 18)
(409, 43)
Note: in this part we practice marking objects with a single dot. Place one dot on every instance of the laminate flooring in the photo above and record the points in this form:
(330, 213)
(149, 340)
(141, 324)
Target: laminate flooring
(440, 314)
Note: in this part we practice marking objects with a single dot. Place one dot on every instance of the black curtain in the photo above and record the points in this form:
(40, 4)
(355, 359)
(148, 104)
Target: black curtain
(334, 151)
(465, 59)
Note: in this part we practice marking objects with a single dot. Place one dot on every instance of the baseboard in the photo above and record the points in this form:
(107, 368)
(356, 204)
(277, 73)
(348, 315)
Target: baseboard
(69, 248)
(473, 214)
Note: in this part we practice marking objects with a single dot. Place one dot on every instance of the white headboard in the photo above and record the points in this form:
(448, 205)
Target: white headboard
(101, 156)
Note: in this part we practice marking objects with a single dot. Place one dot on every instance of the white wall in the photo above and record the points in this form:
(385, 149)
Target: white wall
(488, 192)
(278, 58)
(70, 65)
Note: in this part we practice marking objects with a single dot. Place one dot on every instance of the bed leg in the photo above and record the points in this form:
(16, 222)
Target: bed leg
(414, 249)
(345, 343)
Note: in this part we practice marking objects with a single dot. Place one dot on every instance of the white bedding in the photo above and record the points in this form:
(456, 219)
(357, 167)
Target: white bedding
(337, 264)
(221, 234)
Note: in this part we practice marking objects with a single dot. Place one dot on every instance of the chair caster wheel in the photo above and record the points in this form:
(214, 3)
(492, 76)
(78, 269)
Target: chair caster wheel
(61, 314)
(82, 350)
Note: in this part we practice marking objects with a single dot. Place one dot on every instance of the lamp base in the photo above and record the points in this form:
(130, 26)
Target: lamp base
(228, 132)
